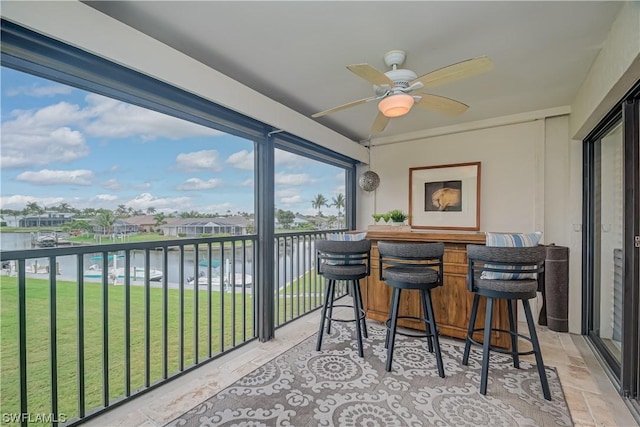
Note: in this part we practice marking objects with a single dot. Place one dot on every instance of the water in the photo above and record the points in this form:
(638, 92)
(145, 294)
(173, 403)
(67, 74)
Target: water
(67, 265)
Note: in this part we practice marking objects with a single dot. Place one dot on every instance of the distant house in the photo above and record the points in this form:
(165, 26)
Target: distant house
(47, 219)
(3, 223)
(120, 226)
(195, 227)
(300, 220)
(146, 223)
(319, 222)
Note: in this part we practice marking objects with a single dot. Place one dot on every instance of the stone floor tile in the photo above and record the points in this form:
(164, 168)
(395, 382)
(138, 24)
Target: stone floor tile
(580, 412)
(119, 418)
(577, 377)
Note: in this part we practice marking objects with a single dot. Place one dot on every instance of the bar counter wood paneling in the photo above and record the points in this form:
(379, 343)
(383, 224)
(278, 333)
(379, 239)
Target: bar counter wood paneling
(451, 302)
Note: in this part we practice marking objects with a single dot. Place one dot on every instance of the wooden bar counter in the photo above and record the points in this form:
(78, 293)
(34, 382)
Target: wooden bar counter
(451, 302)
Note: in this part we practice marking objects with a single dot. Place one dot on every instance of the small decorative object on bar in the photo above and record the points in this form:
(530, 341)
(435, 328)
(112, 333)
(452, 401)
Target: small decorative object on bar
(397, 217)
(369, 181)
(445, 197)
(393, 221)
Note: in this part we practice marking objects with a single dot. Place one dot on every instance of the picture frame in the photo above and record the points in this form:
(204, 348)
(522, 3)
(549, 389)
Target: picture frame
(445, 197)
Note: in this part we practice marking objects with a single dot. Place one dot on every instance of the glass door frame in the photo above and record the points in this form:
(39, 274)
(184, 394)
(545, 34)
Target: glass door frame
(626, 372)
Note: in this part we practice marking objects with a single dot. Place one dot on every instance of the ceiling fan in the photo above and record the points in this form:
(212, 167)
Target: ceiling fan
(396, 88)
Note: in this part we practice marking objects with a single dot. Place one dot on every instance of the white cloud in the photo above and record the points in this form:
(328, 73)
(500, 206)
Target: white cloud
(142, 186)
(291, 198)
(112, 184)
(340, 176)
(19, 201)
(37, 90)
(35, 138)
(287, 192)
(114, 119)
(292, 179)
(104, 198)
(247, 183)
(56, 133)
(339, 189)
(146, 200)
(57, 177)
(220, 208)
(198, 184)
(241, 160)
(283, 158)
(288, 201)
(198, 161)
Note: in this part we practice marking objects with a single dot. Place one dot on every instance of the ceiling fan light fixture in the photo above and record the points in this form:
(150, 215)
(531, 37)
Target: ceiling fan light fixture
(396, 105)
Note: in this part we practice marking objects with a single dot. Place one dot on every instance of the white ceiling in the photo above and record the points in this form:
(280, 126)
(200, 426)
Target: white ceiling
(296, 52)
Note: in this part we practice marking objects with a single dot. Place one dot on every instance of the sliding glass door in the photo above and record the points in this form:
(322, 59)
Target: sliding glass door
(608, 229)
(611, 244)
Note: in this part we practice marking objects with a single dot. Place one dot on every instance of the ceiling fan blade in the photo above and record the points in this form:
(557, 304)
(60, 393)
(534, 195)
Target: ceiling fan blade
(344, 106)
(371, 74)
(379, 124)
(441, 104)
(454, 72)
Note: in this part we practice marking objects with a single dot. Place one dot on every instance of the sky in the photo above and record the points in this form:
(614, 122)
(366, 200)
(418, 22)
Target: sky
(60, 144)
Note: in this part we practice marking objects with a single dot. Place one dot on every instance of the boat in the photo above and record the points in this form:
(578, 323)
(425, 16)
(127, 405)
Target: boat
(47, 241)
(135, 273)
(205, 263)
(203, 280)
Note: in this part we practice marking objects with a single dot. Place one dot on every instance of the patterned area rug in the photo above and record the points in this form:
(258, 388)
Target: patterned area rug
(335, 387)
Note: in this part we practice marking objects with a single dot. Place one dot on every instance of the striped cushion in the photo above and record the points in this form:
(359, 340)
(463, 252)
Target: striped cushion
(345, 237)
(510, 240)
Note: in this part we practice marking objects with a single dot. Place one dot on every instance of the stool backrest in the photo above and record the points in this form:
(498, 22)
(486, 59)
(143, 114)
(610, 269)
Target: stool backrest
(410, 255)
(337, 252)
(505, 263)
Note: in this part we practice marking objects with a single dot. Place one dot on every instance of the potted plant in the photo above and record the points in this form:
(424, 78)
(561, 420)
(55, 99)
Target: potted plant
(386, 217)
(397, 216)
(377, 218)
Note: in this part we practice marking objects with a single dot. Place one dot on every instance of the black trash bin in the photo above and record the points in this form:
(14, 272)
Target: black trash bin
(555, 312)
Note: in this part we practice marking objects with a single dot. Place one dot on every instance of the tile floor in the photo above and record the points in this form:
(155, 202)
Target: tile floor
(591, 397)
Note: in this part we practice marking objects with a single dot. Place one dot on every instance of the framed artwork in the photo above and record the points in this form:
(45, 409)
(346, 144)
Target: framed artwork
(445, 197)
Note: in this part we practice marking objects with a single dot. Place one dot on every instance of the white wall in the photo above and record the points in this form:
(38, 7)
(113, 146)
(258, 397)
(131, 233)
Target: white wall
(510, 167)
(612, 74)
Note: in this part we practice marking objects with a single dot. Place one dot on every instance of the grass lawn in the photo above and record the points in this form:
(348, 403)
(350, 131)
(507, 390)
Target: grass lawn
(310, 288)
(38, 339)
(299, 297)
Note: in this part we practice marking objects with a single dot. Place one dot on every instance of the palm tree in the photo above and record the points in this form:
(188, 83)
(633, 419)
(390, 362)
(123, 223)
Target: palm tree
(151, 210)
(105, 220)
(64, 208)
(339, 203)
(318, 202)
(35, 209)
(121, 211)
(159, 220)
